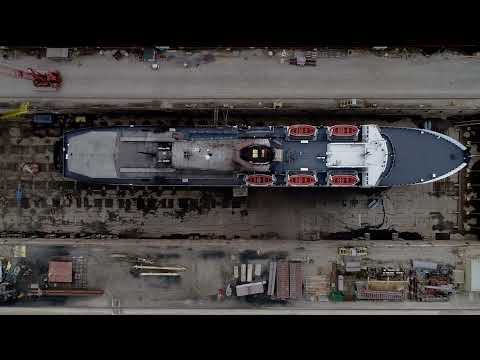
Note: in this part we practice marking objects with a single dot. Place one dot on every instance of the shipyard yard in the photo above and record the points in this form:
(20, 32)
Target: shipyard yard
(125, 249)
(209, 267)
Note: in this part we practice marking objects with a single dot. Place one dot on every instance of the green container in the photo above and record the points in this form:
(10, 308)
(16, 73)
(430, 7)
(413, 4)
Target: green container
(336, 296)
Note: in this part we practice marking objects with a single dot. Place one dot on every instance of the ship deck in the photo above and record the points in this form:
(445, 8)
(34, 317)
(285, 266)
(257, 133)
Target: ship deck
(418, 154)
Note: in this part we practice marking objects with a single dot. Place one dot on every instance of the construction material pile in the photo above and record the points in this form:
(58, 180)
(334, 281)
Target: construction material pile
(140, 269)
(248, 280)
(149, 267)
(317, 287)
(13, 272)
(430, 281)
(67, 276)
(383, 283)
(20, 278)
(419, 281)
(355, 277)
(283, 281)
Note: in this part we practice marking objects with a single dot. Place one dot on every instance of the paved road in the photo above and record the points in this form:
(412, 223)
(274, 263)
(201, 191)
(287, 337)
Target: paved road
(257, 77)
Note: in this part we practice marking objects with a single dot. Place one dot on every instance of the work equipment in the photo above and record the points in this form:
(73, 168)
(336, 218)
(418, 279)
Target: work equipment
(42, 79)
(80, 119)
(304, 59)
(19, 194)
(66, 292)
(21, 110)
(352, 251)
(44, 120)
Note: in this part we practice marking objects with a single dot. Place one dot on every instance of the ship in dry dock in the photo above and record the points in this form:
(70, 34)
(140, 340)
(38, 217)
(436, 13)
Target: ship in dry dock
(285, 156)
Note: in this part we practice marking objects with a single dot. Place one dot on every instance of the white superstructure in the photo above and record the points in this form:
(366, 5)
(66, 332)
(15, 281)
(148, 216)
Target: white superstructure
(370, 156)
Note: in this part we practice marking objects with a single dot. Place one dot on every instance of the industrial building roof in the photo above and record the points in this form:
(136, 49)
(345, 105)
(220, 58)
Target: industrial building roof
(60, 272)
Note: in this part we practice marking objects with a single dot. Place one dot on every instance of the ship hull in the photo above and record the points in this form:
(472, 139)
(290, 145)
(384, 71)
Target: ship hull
(232, 157)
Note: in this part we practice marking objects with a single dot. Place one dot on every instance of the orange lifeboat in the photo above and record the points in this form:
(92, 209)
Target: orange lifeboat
(344, 180)
(344, 130)
(301, 180)
(259, 180)
(302, 131)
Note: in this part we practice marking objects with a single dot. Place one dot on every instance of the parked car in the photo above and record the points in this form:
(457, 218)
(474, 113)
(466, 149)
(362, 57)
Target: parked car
(351, 103)
(44, 120)
(353, 251)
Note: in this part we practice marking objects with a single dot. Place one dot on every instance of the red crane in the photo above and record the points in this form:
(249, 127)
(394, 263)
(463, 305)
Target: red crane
(51, 79)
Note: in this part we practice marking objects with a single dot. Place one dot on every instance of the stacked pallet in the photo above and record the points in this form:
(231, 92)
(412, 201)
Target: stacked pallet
(283, 289)
(365, 294)
(296, 279)
(381, 290)
(389, 285)
(289, 280)
(317, 287)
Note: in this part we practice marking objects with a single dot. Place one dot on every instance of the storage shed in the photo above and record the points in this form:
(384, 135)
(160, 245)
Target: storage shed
(149, 54)
(58, 53)
(250, 289)
(472, 275)
(60, 272)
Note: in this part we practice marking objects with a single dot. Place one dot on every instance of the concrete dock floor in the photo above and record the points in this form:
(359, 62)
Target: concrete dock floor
(253, 74)
(210, 265)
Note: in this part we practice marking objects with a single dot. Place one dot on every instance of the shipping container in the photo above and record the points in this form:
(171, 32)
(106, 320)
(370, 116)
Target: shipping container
(424, 265)
(296, 277)
(249, 272)
(243, 273)
(282, 280)
(250, 289)
(340, 283)
(258, 270)
(272, 276)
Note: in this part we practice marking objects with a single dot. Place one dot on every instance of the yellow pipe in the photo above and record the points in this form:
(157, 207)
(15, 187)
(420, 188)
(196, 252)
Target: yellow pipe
(22, 110)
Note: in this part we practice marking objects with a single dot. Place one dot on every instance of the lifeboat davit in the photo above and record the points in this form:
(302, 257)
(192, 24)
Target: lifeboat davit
(302, 131)
(301, 180)
(344, 180)
(344, 130)
(260, 180)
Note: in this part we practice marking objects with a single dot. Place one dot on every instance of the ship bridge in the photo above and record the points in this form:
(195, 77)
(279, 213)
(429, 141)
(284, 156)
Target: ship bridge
(369, 156)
